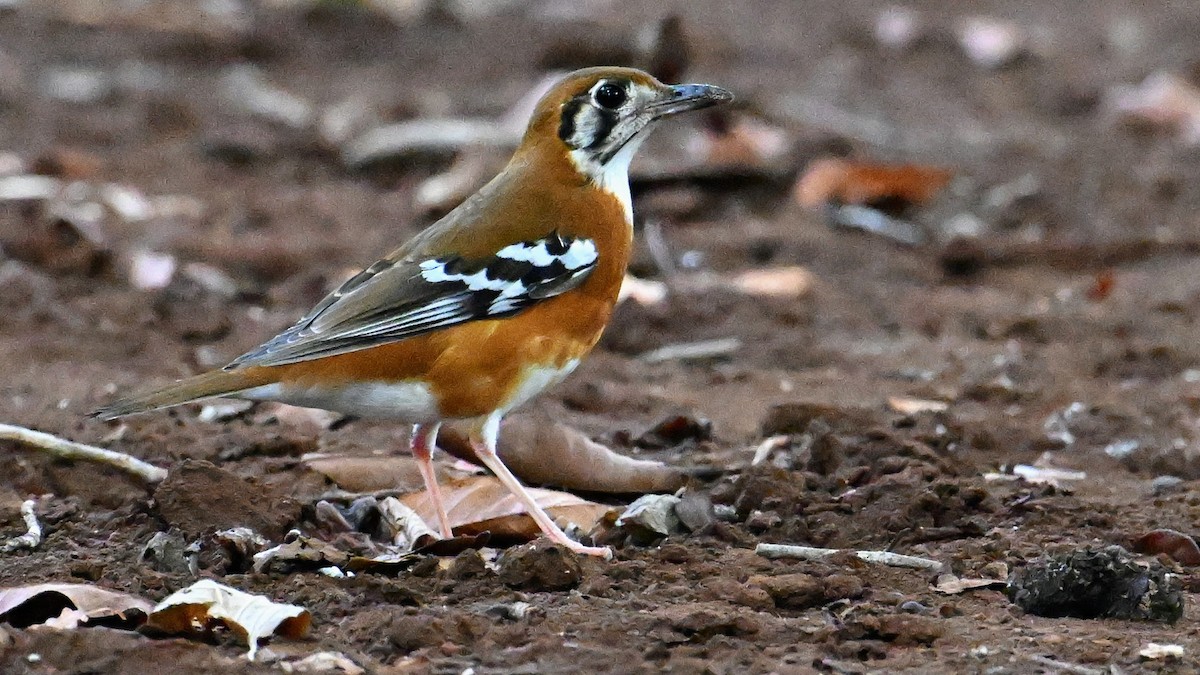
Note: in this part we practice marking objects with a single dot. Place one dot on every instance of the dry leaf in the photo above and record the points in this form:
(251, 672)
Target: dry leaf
(368, 474)
(206, 602)
(543, 452)
(1180, 547)
(478, 504)
(849, 182)
(409, 530)
(68, 605)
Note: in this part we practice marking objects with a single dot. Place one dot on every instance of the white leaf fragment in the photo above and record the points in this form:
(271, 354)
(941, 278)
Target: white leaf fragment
(253, 617)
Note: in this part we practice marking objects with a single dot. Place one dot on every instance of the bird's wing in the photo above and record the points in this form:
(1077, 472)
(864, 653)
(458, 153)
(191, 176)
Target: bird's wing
(401, 297)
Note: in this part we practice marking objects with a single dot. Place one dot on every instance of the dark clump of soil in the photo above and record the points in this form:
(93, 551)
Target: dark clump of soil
(199, 497)
(1090, 584)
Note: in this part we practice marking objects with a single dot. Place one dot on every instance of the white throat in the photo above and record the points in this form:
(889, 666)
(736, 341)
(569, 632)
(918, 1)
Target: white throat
(612, 177)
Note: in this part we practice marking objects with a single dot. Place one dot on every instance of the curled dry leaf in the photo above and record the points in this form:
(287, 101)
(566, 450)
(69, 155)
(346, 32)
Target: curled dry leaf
(1180, 547)
(482, 504)
(69, 605)
(849, 182)
(206, 603)
(541, 451)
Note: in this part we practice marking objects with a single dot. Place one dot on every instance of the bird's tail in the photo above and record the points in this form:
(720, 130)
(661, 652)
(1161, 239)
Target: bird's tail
(208, 385)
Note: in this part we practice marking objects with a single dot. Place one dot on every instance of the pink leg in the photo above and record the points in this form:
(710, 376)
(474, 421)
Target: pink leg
(485, 450)
(424, 437)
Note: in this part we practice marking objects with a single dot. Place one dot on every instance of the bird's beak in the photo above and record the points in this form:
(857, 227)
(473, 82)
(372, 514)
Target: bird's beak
(683, 97)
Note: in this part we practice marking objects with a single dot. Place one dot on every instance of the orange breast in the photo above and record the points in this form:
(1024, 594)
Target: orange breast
(474, 368)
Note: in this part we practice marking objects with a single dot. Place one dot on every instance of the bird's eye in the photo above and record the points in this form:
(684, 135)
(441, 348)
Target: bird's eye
(610, 96)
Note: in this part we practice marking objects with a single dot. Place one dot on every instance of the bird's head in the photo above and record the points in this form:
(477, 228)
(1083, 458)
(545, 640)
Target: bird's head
(599, 116)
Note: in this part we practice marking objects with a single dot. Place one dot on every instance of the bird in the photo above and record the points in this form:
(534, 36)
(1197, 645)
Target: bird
(482, 310)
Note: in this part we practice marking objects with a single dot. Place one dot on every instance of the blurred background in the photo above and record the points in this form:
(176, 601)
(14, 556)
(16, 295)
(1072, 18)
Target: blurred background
(955, 237)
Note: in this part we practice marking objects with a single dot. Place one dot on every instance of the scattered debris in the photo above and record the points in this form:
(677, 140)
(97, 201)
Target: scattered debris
(735, 139)
(916, 406)
(874, 221)
(842, 181)
(675, 430)
(1163, 100)
(542, 451)
(643, 291)
(151, 271)
(897, 27)
(246, 87)
(224, 410)
(71, 605)
(33, 530)
(207, 603)
(693, 351)
(1157, 652)
(1046, 475)
(442, 192)
(651, 517)
(696, 511)
(991, 43)
(64, 449)
(300, 552)
(242, 545)
(425, 137)
(1092, 583)
(1058, 666)
(950, 584)
(769, 445)
(1178, 546)
(774, 282)
(879, 557)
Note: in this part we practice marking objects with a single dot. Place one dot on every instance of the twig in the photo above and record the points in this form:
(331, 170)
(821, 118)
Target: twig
(880, 557)
(65, 449)
(1063, 666)
(692, 351)
(33, 535)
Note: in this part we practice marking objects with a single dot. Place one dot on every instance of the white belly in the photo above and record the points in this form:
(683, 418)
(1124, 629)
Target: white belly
(410, 402)
(535, 380)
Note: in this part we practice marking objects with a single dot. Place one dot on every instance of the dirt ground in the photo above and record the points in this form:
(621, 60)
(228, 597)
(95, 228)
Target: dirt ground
(1052, 305)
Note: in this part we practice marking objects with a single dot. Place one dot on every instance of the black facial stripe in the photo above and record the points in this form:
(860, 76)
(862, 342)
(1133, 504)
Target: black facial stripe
(605, 121)
(566, 127)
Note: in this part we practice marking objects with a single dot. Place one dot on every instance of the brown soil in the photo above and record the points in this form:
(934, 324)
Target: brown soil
(1067, 326)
